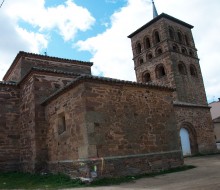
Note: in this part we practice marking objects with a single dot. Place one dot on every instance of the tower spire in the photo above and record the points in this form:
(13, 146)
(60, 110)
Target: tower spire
(155, 14)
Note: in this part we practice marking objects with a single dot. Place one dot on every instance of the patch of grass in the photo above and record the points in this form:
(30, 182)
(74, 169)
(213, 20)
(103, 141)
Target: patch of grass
(17, 180)
(119, 180)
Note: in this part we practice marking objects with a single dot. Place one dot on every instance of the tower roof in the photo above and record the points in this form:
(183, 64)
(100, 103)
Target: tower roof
(155, 14)
(163, 15)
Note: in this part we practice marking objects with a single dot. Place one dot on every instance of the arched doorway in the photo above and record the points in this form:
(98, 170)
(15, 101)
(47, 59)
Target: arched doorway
(185, 142)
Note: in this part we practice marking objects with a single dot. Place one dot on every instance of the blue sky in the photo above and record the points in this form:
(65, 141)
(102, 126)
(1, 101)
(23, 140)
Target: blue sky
(97, 31)
(101, 10)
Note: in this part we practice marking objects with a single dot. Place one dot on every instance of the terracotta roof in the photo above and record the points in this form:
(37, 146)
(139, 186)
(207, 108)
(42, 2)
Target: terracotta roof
(43, 57)
(163, 15)
(178, 103)
(103, 80)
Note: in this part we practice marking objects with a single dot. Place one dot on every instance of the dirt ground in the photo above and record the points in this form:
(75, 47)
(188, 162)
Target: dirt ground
(206, 176)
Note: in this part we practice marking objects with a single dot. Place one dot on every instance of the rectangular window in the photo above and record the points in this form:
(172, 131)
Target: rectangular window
(61, 124)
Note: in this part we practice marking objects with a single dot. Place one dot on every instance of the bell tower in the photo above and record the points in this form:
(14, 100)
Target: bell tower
(164, 53)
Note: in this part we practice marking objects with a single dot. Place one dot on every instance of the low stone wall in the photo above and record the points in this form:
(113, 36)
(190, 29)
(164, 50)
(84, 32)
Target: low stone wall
(118, 165)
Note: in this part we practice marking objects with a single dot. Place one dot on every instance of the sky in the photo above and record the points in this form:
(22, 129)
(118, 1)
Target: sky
(97, 30)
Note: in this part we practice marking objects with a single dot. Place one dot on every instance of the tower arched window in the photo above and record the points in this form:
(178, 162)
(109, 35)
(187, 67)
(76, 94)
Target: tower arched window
(180, 38)
(141, 61)
(184, 51)
(146, 77)
(175, 48)
(182, 68)
(171, 33)
(149, 56)
(159, 51)
(160, 71)
(191, 53)
(147, 43)
(187, 40)
(138, 48)
(156, 37)
(193, 71)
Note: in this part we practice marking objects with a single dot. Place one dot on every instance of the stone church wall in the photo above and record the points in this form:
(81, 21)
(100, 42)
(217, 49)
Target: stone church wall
(121, 130)
(71, 143)
(9, 128)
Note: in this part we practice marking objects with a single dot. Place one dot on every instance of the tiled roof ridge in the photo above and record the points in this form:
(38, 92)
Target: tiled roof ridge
(46, 69)
(104, 79)
(45, 57)
(52, 57)
(55, 71)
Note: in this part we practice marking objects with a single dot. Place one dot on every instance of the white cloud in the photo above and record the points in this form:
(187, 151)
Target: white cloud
(66, 19)
(111, 49)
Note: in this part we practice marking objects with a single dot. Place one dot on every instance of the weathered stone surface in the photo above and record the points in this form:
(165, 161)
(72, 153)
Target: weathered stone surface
(9, 128)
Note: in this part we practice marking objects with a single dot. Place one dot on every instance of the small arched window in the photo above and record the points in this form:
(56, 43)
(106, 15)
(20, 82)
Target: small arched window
(156, 37)
(147, 43)
(160, 71)
(146, 77)
(182, 68)
(187, 40)
(171, 33)
(180, 38)
(141, 61)
(149, 56)
(191, 53)
(184, 51)
(138, 48)
(159, 51)
(193, 71)
(175, 48)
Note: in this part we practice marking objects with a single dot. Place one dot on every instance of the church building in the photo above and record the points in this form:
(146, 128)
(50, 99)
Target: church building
(56, 116)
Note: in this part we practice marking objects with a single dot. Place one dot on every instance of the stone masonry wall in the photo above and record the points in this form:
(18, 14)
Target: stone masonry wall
(15, 75)
(123, 120)
(27, 125)
(9, 129)
(115, 128)
(71, 144)
(198, 122)
(44, 86)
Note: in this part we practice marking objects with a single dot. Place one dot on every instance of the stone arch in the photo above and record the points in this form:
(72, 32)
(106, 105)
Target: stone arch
(156, 37)
(182, 68)
(175, 48)
(147, 42)
(149, 56)
(192, 136)
(186, 39)
(138, 48)
(160, 71)
(171, 33)
(140, 61)
(193, 71)
(146, 77)
(180, 37)
(158, 51)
